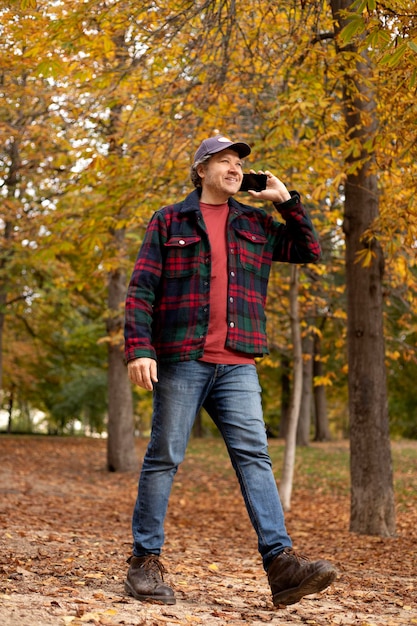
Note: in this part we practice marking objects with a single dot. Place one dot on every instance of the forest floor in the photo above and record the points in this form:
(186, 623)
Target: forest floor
(65, 538)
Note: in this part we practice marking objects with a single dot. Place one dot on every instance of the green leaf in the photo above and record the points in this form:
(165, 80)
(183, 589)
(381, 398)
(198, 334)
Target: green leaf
(28, 4)
(412, 45)
(392, 59)
(49, 68)
(355, 27)
(359, 6)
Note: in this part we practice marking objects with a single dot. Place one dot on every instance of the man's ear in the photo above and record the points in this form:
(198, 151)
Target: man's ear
(201, 170)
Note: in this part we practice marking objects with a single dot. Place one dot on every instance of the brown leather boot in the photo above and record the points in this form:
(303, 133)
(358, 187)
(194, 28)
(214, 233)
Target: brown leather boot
(292, 576)
(145, 580)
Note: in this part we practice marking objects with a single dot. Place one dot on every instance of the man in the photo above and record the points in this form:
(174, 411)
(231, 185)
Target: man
(194, 323)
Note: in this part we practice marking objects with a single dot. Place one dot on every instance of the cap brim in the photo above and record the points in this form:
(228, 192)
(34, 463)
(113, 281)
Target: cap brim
(241, 148)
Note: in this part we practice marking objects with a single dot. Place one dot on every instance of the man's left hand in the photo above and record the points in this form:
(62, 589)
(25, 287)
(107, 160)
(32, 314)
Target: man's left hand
(275, 190)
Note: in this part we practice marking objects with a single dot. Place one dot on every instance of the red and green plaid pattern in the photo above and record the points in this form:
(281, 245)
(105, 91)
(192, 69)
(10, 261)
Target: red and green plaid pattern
(167, 304)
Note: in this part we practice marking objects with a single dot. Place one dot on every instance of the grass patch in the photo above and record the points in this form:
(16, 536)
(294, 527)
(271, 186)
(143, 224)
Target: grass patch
(319, 468)
(404, 459)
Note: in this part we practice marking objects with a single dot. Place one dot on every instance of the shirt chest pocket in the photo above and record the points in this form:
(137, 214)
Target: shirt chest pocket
(182, 256)
(251, 248)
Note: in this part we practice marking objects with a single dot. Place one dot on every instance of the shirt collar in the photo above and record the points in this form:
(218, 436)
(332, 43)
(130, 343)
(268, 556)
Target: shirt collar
(192, 204)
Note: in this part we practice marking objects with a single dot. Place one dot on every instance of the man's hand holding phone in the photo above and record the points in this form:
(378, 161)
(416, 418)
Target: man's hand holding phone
(265, 186)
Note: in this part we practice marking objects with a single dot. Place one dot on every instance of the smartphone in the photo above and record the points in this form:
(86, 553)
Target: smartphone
(257, 182)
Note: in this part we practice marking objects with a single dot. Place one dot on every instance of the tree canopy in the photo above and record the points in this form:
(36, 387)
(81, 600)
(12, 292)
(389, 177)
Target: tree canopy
(103, 104)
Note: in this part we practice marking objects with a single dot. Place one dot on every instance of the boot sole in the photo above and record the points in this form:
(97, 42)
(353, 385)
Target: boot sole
(149, 598)
(313, 584)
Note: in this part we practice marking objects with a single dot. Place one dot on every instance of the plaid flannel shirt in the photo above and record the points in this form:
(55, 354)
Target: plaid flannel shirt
(167, 303)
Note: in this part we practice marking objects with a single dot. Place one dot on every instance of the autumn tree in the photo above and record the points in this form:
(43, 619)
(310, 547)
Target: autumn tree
(372, 503)
(128, 91)
(34, 170)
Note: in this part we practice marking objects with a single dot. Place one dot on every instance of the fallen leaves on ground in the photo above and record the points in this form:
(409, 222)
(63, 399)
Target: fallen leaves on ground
(65, 538)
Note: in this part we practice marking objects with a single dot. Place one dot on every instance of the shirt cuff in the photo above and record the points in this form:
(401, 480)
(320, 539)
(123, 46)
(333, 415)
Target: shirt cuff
(288, 204)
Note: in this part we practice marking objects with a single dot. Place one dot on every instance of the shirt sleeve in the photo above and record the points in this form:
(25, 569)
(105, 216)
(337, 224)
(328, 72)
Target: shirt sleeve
(141, 292)
(296, 240)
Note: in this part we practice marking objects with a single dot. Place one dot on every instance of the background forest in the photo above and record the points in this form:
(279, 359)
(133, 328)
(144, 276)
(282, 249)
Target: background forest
(103, 103)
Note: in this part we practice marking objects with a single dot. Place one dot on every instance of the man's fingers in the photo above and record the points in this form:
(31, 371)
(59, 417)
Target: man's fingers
(143, 372)
(153, 371)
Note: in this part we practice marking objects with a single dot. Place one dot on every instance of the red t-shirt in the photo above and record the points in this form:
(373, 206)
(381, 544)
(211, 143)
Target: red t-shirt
(215, 217)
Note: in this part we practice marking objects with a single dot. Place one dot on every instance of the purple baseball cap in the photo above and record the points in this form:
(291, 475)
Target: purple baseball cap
(216, 144)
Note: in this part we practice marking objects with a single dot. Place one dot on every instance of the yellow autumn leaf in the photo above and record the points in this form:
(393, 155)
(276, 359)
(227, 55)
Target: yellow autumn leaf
(339, 314)
(28, 4)
(393, 354)
(321, 381)
(365, 257)
(213, 567)
(90, 617)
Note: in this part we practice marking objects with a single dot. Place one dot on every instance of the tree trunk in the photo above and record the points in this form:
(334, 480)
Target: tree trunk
(372, 505)
(10, 184)
(304, 419)
(285, 396)
(289, 452)
(320, 402)
(372, 501)
(10, 411)
(198, 426)
(2, 315)
(121, 454)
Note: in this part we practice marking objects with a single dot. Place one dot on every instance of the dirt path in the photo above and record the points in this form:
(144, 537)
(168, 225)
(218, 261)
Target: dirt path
(65, 535)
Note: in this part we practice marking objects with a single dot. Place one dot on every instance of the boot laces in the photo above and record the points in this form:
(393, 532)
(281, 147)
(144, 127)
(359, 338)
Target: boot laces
(296, 555)
(153, 565)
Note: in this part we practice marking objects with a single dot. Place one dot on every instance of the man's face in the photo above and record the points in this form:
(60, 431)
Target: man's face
(222, 174)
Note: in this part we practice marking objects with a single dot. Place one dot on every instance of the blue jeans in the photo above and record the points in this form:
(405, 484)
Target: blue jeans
(231, 394)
